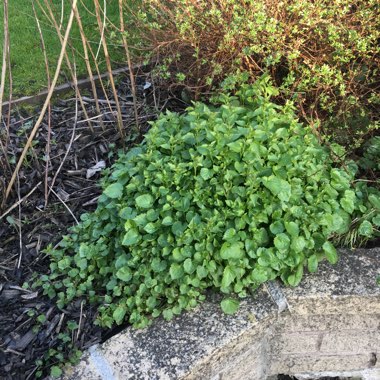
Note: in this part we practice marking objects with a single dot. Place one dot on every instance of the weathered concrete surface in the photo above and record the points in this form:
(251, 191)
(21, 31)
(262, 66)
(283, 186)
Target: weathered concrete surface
(328, 326)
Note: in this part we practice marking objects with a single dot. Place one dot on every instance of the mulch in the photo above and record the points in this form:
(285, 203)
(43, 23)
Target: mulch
(28, 224)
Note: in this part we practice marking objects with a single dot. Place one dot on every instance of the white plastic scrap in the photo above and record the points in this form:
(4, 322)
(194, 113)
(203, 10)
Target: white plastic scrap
(96, 168)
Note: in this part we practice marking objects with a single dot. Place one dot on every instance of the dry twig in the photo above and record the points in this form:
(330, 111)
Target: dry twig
(49, 106)
(109, 69)
(126, 48)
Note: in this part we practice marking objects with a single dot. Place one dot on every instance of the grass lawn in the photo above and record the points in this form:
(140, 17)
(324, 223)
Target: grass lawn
(27, 61)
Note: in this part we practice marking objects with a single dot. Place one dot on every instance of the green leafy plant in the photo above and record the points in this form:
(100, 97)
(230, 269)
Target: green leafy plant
(370, 159)
(365, 224)
(224, 197)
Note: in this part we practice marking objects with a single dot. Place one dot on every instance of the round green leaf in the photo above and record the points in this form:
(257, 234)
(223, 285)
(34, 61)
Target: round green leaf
(150, 228)
(119, 314)
(114, 191)
(144, 201)
(375, 201)
(365, 229)
(292, 228)
(312, 263)
(127, 213)
(176, 271)
(168, 314)
(295, 278)
(348, 201)
(376, 220)
(131, 237)
(277, 227)
(232, 251)
(259, 275)
(282, 242)
(228, 276)
(229, 234)
(298, 243)
(206, 173)
(124, 274)
(188, 266)
(330, 252)
(202, 272)
(178, 228)
(167, 221)
(278, 187)
(55, 371)
(230, 305)
(158, 265)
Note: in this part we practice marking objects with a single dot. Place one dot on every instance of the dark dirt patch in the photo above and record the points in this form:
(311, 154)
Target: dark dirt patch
(31, 326)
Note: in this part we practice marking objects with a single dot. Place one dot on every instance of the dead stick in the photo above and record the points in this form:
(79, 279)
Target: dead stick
(131, 75)
(49, 107)
(109, 69)
(20, 200)
(68, 63)
(88, 66)
(20, 226)
(5, 51)
(71, 139)
(66, 206)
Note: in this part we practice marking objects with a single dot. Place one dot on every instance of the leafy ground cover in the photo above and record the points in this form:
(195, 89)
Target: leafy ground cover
(224, 197)
(27, 59)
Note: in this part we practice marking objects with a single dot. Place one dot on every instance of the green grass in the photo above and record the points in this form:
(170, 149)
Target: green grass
(27, 61)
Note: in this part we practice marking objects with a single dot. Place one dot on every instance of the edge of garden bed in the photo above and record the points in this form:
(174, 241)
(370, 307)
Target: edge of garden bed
(327, 325)
(84, 83)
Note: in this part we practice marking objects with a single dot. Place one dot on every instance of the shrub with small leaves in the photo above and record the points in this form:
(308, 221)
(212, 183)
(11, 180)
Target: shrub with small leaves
(224, 197)
(322, 54)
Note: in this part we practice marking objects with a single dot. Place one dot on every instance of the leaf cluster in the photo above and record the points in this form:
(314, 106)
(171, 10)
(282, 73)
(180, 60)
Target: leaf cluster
(224, 197)
(370, 159)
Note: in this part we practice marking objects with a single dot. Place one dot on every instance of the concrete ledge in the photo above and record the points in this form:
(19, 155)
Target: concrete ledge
(328, 326)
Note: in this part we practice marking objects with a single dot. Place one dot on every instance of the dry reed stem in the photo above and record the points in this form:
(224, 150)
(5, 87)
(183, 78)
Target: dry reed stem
(93, 55)
(20, 224)
(4, 60)
(71, 139)
(46, 104)
(49, 107)
(10, 96)
(99, 76)
(109, 69)
(5, 64)
(68, 63)
(20, 201)
(62, 12)
(103, 29)
(88, 66)
(131, 76)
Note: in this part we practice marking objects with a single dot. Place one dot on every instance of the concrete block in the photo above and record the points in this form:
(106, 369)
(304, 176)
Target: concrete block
(328, 324)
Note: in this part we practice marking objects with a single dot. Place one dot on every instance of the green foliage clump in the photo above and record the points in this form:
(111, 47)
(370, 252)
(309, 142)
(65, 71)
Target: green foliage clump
(322, 54)
(370, 159)
(365, 225)
(223, 197)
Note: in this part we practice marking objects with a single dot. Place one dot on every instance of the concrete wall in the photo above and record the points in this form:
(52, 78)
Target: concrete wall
(328, 326)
